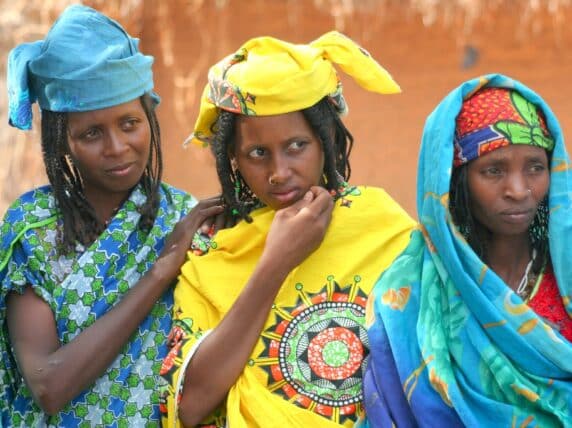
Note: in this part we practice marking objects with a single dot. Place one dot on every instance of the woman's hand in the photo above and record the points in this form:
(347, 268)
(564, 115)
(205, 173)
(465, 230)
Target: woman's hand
(202, 216)
(299, 229)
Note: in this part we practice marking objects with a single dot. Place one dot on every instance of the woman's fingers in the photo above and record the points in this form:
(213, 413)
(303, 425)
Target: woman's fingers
(316, 202)
(220, 221)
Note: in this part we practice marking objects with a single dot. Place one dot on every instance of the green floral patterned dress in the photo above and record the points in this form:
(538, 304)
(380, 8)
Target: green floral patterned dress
(80, 288)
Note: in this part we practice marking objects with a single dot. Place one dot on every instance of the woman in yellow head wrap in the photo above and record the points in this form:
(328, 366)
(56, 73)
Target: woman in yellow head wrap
(269, 314)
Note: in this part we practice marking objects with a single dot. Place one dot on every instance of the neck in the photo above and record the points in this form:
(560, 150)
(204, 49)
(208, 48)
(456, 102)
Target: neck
(509, 257)
(105, 206)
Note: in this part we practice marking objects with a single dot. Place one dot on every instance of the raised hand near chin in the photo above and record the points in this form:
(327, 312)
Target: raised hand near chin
(299, 229)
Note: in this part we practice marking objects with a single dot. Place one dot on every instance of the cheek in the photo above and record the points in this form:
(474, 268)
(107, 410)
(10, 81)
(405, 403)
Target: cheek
(254, 177)
(482, 197)
(318, 162)
(71, 150)
(143, 141)
(80, 158)
(541, 190)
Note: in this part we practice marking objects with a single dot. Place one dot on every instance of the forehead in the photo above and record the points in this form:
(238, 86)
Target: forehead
(269, 129)
(512, 152)
(120, 110)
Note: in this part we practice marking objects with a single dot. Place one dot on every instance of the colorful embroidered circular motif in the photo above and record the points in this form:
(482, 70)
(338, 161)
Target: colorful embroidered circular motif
(335, 353)
(315, 352)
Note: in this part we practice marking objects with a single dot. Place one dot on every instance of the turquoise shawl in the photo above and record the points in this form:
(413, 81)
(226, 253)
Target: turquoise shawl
(451, 344)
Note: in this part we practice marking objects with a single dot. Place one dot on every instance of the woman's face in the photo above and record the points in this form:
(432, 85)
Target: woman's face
(110, 147)
(279, 157)
(506, 186)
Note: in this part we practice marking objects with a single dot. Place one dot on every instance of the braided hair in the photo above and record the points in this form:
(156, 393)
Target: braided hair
(476, 234)
(322, 118)
(80, 223)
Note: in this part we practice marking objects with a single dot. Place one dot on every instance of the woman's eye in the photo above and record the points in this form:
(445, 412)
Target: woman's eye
(90, 134)
(129, 124)
(297, 145)
(536, 168)
(256, 153)
(492, 171)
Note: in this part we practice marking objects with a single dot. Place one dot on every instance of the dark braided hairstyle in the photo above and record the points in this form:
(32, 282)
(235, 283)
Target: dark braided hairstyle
(322, 118)
(80, 223)
(477, 235)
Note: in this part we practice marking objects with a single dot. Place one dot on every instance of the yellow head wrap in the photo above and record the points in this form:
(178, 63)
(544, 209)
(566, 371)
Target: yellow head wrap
(267, 76)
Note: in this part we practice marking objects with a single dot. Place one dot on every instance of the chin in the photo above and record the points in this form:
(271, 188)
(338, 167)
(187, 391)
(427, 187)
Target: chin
(512, 231)
(124, 187)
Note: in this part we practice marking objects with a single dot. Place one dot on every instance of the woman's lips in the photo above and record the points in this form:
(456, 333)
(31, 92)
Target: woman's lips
(521, 216)
(121, 170)
(286, 197)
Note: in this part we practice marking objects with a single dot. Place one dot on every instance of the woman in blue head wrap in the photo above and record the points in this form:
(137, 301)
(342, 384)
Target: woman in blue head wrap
(471, 325)
(85, 263)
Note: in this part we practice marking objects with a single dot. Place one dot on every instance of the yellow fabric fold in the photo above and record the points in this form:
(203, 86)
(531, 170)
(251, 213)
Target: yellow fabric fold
(306, 367)
(356, 62)
(268, 76)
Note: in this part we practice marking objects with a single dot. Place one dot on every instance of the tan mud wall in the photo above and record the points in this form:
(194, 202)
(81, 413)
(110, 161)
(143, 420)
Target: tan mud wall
(188, 36)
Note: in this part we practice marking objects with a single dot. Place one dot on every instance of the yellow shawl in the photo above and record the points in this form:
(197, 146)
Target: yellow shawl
(306, 369)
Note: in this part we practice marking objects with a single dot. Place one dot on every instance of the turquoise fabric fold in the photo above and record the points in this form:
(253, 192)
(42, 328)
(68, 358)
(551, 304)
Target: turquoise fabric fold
(451, 344)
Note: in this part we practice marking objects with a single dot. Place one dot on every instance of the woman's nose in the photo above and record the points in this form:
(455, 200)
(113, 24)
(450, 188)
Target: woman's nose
(517, 187)
(114, 144)
(280, 172)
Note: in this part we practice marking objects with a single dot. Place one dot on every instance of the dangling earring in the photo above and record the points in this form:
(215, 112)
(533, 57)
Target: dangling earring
(242, 193)
(237, 186)
(465, 230)
(342, 184)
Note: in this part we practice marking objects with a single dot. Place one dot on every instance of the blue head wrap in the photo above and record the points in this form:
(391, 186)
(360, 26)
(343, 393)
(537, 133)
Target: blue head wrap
(86, 62)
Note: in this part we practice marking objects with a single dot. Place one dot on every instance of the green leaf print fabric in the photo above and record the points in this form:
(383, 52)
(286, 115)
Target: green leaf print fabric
(80, 287)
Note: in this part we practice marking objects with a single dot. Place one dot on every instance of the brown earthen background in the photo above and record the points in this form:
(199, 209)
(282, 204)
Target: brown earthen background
(421, 43)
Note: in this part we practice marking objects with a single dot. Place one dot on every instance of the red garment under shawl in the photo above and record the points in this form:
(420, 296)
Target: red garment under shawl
(547, 303)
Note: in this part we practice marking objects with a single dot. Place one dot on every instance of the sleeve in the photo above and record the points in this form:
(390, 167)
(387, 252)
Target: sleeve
(193, 319)
(25, 249)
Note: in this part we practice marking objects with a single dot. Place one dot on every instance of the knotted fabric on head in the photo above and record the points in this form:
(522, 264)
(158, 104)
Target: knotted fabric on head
(267, 76)
(86, 62)
(496, 117)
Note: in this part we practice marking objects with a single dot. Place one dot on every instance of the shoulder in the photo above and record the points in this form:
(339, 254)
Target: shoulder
(407, 265)
(378, 196)
(33, 206)
(176, 197)
(31, 211)
(373, 201)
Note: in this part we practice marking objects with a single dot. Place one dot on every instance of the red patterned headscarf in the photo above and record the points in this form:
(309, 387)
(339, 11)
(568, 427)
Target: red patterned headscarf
(496, 117)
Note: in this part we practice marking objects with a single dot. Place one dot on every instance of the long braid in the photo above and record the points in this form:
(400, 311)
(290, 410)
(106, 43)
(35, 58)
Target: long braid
(322, 118)
(460, 208)
(80, 223)
(237, 196)
(79, 219)
(151, 179)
